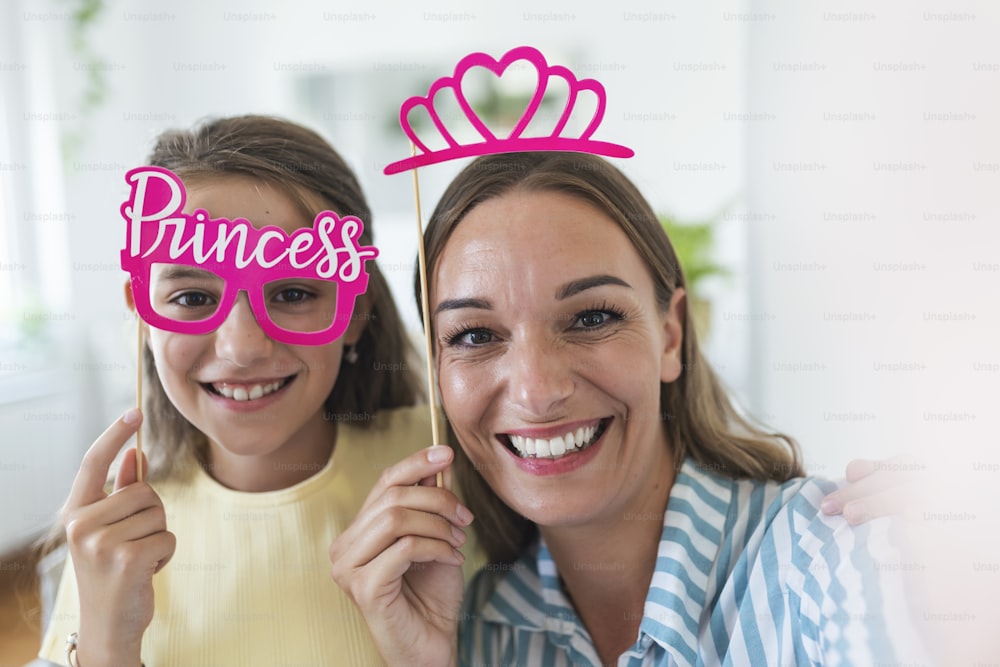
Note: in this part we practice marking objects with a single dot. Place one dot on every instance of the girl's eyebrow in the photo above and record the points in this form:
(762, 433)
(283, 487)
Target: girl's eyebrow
(583, 284)
(179, 271)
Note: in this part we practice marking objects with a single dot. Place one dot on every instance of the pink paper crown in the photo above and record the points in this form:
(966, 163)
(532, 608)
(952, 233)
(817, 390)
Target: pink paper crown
(514, 142)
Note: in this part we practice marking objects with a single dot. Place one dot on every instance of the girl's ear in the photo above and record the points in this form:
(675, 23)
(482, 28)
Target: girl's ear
(359, 319)
(673, 336)
(129, 298)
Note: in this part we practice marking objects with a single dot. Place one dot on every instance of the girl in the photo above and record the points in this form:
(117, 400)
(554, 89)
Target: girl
(260, 449)
(630, 515)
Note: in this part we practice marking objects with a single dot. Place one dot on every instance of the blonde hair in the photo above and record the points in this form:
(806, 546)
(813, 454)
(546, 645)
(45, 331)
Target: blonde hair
(700, 420)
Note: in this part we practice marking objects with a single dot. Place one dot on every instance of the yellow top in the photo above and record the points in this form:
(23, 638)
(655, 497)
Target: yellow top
(249, 583)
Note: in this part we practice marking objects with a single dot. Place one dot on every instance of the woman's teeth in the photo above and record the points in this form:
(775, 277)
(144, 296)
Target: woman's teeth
(247, 392)
(573, 441)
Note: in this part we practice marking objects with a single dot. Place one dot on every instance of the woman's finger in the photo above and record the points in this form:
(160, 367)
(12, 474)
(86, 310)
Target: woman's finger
(410, 471)
(365, 541)
(382, 575)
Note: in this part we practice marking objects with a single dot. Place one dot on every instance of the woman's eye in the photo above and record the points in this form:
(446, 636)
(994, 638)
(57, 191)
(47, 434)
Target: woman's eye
(593, 318)
(472, 338)
(193, 300)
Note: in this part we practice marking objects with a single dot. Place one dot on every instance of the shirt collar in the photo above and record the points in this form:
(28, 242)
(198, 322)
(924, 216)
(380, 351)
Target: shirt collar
(680, 590)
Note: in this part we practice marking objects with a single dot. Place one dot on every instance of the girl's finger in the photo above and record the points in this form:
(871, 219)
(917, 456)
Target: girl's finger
(859, 469)
(89, 484)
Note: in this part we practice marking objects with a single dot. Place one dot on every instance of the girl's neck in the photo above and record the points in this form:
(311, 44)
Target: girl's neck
(304, 455)
(606, 567)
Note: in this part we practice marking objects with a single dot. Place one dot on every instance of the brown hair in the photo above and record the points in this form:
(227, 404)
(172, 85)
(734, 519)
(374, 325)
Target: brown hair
(700, 420)
(303, 165)
(300, 163)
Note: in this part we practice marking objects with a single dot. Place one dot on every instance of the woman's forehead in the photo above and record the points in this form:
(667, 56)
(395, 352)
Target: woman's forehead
(542, 238)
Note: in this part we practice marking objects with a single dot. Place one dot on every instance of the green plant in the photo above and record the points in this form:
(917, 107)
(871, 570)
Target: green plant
(694, 243)
(84, 16)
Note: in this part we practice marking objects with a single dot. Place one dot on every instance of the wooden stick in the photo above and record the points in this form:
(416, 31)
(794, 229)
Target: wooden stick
(425, 307)
(138, 397)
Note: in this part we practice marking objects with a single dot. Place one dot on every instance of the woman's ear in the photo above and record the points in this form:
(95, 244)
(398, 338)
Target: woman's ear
(673, 336)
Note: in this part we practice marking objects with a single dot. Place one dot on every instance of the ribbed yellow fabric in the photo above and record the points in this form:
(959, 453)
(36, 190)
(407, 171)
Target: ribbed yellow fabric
(249, 583)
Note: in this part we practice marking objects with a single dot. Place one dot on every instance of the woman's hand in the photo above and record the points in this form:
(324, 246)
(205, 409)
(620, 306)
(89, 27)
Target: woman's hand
(876, 489)
(400, 564)
(117, 542)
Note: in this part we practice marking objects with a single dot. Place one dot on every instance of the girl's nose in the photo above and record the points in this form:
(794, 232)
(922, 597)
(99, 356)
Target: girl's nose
(240, 339)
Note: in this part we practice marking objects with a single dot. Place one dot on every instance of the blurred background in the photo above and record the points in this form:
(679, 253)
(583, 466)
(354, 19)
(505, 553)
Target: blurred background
(840, 160)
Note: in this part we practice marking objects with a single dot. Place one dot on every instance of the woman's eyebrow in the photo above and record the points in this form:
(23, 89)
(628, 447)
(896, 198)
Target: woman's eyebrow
(582, 284)
(455, 304)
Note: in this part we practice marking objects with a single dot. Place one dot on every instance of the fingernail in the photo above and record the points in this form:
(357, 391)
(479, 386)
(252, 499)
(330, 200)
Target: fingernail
(855, 513)
(131, 416)
(438, 454)
(464, 515)
(830, 506)
(458, 535)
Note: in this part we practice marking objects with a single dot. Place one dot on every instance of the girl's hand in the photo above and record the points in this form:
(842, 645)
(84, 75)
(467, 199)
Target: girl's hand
(117, 543)
(877, 489)
(400, 564)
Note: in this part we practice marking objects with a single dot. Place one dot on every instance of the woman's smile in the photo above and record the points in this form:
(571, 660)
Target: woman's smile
(551, 348)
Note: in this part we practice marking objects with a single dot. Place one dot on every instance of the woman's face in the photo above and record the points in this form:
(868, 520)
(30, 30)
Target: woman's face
(551, 349)
(248, 393)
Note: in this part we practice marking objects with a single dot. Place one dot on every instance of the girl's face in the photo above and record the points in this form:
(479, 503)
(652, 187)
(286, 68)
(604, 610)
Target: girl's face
(246, 392)
(551, 350)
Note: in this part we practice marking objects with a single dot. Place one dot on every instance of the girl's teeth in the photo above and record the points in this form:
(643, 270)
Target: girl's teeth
(248, 394)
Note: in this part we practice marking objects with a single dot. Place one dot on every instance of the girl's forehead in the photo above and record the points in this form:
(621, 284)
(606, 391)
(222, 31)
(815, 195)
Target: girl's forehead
(259, 201)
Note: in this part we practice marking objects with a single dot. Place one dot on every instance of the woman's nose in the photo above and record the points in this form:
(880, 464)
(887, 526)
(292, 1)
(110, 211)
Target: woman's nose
(540, 377)
(240, 339)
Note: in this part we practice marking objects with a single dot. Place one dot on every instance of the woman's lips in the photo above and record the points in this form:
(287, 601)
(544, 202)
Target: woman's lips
(554, 443)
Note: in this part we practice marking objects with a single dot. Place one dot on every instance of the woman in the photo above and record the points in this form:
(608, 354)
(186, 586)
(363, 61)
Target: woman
(630, 515)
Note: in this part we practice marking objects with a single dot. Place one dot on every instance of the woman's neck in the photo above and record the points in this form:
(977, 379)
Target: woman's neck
(606, 567)
(304, 455)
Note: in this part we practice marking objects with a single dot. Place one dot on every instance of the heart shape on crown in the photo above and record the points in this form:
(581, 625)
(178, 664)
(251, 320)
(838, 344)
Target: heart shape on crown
(514, 142)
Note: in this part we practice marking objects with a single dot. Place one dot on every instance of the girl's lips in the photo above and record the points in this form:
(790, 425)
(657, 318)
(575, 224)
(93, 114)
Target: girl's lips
(246, 395)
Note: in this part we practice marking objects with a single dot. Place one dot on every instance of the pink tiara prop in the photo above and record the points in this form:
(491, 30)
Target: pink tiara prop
(514, 142)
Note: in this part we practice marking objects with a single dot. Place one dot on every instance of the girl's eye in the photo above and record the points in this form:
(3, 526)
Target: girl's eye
(292, 295)
(194, 300)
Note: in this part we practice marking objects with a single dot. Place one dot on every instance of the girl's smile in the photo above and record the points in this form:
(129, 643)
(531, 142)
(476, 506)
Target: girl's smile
(260, 402)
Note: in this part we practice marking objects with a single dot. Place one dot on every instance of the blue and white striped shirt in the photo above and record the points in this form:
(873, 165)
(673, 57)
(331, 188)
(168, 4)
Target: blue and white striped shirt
(747, 573)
